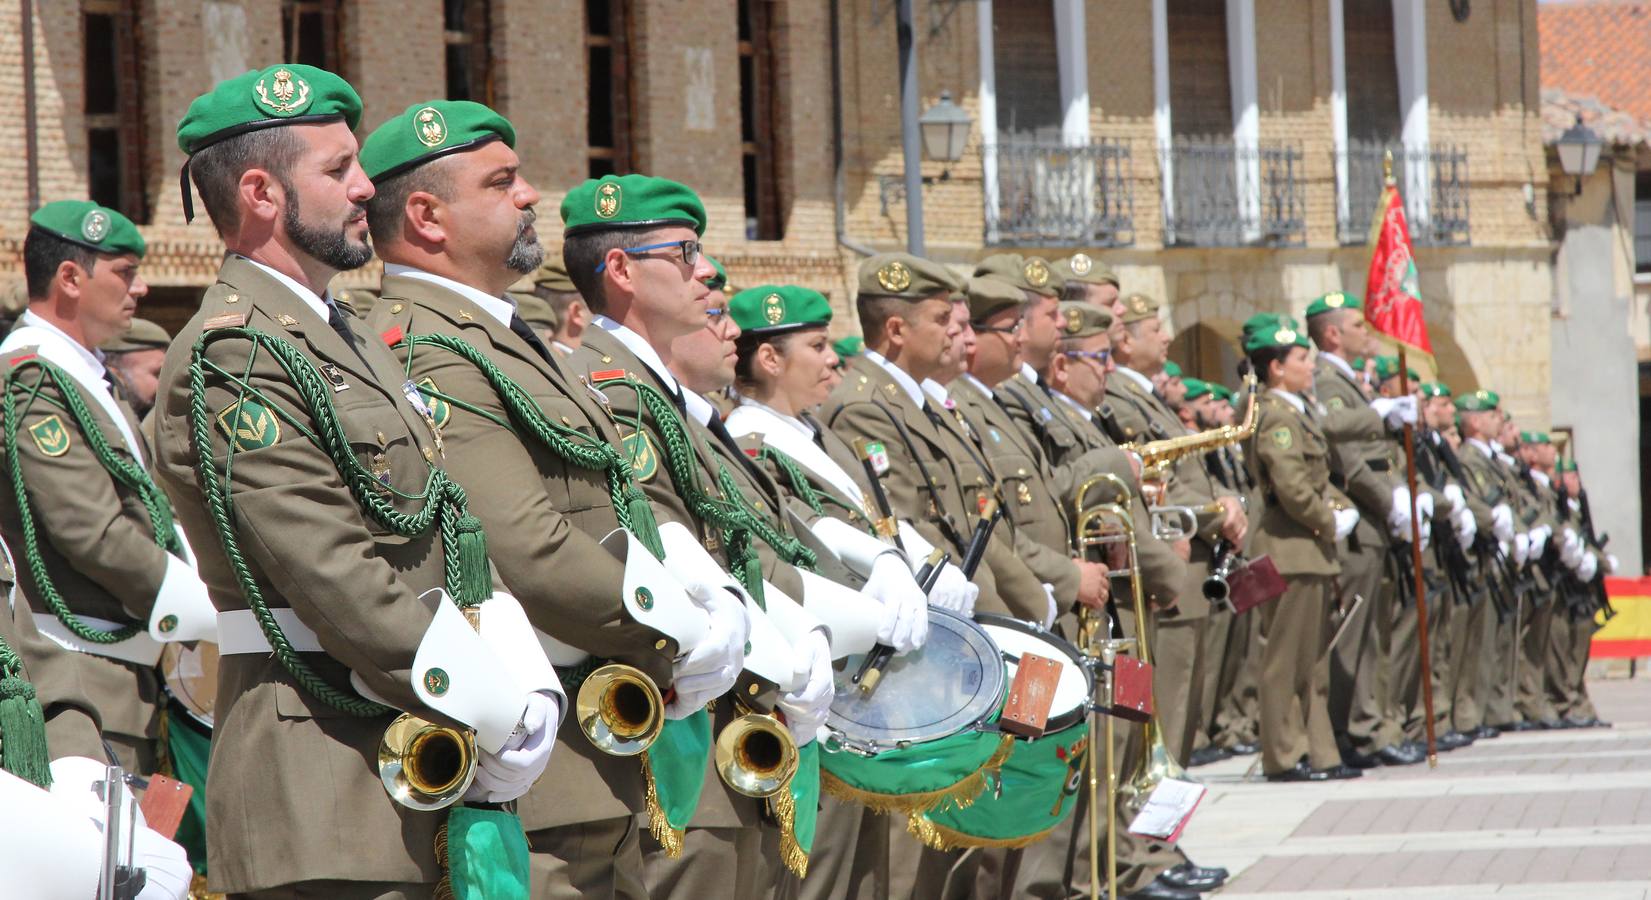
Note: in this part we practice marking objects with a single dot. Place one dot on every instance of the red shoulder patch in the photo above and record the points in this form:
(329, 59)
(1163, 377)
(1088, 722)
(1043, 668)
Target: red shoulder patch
(752, 452)
(607, 375)
(19, 360)
(393, 335)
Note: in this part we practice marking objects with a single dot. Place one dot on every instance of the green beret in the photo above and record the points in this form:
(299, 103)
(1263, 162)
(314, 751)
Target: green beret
(143, 335)
(989, 296)
(1435, 389)
(853, 345)
(718, 281)
(1357, 363)
(1566, 465)
(535, 310)
(1478, 401)
(1535, 437)
(428, 131)
(905, 276)
(1334, 300)
(1196, 387)
(778, 308)
(287, 94)
(97, 228)
(1221, 391)
(1282, 333)
(1172, 369)
(1080, 319)
(631, 202)
(1388, 367)
(1084, 269)
(1029, 273)
(1139, 308)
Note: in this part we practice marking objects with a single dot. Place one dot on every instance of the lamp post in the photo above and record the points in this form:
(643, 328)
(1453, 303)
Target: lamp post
(1578, 151)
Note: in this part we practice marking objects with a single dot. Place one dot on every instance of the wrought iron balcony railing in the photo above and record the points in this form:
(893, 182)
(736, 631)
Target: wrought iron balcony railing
(1432, 180)
(1222, 193)
(1052, 194)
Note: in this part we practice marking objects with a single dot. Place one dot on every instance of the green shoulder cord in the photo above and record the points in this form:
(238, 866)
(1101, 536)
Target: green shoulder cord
(806, 492)
(464, 549)
(125, 472)
(22, 725)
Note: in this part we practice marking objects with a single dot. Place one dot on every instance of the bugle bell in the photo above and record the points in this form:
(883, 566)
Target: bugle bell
(425, 766)
(756, 754)
(620, 710)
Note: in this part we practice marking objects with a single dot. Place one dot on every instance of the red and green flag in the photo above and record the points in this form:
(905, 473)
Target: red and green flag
(1392, 293)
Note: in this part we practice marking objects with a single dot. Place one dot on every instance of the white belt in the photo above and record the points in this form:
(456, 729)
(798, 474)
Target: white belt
(239, 632)
(139, 649)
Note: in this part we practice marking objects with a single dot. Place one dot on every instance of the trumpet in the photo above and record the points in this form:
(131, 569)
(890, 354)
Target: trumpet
(620, 710)
(425, 766)
(755, 754)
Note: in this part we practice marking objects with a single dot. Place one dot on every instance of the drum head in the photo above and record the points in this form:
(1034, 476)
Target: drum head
(1077, 684)
(191, 675)
(953, 682)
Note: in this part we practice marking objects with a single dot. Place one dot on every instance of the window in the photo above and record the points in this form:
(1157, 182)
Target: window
(469, 64)
(757, 120)
(608, 87)
(1028, 80)
(1642, 222)
(1200, 85)
(114, 115)
(309, 33)
(1372, 72)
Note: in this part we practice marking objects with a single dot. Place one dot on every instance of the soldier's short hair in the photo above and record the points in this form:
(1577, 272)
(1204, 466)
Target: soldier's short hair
(1317, 325)
(583, 251)
(875, 310)
(217, 169)
(1263, 357)
(389, 201)
(43, 253)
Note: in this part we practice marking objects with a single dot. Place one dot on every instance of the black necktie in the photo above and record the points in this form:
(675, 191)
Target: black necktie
(336, 320)
(526, 333)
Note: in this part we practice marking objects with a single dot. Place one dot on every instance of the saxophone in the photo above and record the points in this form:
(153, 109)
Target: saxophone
(1158, 456)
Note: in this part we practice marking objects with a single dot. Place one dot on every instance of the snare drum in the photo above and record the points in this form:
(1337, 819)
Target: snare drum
(1034, 789)
(922, 738)
(190, 672)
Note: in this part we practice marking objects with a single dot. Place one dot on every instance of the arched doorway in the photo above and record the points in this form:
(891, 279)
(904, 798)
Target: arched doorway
(1208, 349)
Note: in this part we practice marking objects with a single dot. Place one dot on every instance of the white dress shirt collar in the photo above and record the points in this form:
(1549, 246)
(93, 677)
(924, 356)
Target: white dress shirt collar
(906, 382)
(1291, 398)
(92, 358)
(1339, 363)
(697, 407)
(980, 384)
(321, 305)
(642, 350)
(499, 308)
(1144, 382)
(1087, 415)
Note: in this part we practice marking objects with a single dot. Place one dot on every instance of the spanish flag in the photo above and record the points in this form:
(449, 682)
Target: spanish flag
(1628, 633)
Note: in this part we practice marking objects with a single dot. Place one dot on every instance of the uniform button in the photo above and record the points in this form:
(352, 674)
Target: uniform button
(395, 307)
(660, 644)
(381, 439)
(429, 455)
(607, 359)
(753, 690)
(566, 421)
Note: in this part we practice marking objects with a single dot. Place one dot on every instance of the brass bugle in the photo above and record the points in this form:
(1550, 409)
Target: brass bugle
(756, 755)
(425, 766)
(1173, 523)
(620, 710)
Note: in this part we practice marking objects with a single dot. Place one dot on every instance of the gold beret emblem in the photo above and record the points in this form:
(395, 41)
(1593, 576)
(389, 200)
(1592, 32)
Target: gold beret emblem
(608, 196)
(773, 309)
(1335, 300)
(1137, 304)
(1081, 264)
(1036, 272)
(430, 127)
(282, 93)
(1284, 336)
(95, 226)
(894, 277)
(1074, 321)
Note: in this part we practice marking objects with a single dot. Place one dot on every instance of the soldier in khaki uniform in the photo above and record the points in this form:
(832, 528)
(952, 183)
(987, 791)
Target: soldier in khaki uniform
(551, 304)
(1303, 520)
(134, 360)
(544, 511)
(1481, 420)
(97, 551)
(296, 807)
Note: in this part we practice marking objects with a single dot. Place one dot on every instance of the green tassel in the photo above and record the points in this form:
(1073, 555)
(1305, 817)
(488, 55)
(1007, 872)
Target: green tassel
(475, 580)
(643, 523)
(23, 732)
(751, 571)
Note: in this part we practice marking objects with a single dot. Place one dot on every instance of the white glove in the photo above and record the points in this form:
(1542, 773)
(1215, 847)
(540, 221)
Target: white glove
(1501, 518)
(506, 775)
(1611, 564)
(1427, 533)
(953, 592)
(1570, 548)
(1424, 505)
(1521, 548)
(905, 624)
(1539, 540)
(1053, 611)
(1466, 528)
(1397, 412)
(1503, 547)
(709, 670)
(806, 708)
(165, 864)
(1589, 567)
(1398, 518)
(1346, 520)
(1455, 497)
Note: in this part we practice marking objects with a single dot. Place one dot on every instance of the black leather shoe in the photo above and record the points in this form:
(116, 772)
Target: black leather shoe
(1299, 772)
(1399, 756)
(1203, 756)
(1161, 890)
(1549, 724)
(1414, 747)
(1337, 773)
(1189, 877)
(1452, 740)
(1359, 760)
(1245, 748)
(1486, 731)
(1506, 727)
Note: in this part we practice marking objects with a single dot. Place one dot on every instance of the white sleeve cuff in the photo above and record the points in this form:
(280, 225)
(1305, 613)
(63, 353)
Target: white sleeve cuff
(917, 547)
(653, 596)
(58, 856)
(183, 609)
(857, 549)
(852, 618)
(688, 559)
(505, 628)
(768, 652)
(457, 673)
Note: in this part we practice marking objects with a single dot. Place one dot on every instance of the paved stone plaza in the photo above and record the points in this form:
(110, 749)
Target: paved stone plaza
(1544, 814)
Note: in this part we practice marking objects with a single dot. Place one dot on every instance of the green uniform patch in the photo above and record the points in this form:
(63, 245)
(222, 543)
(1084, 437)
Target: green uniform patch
(50, 436)
(249, 425)
(1335, 403)
(1284, 438)
(440, 409)
(644, 458)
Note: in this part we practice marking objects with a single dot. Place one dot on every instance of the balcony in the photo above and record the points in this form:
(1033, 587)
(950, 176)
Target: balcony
(1049, 194)
(1220, 193)
(1432, 180)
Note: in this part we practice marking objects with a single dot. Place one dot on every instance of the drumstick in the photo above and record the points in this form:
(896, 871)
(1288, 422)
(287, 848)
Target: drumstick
(871, 670)
(885, 526)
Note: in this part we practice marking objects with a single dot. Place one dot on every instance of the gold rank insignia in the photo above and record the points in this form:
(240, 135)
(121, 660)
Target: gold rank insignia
(1081, 264)
(1023, 494)
(286, 320)
(1036, 271)
(608, 197)
(440, 409)
(773, 309)
(282, 93)
(1074, 321)
(50, 437)
(894, 277)
(249, 425)
(1284, 438)
(95, 227)
(430, 127)
(644, 458)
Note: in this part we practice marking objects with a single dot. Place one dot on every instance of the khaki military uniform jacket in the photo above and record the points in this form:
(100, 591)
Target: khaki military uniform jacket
(72, 727)
(543, 516)
(292, 793)
(1361, 459)
(1291, 461)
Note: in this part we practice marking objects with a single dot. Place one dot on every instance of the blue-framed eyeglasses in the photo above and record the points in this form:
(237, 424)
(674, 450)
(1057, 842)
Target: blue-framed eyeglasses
(690, 251)
(1100, 356)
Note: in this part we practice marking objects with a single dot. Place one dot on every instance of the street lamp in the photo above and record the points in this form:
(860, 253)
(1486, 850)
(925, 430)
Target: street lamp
(1578, 150)
(945, 129)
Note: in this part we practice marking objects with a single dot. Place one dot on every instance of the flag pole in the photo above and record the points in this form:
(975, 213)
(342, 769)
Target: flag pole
(1415, 535)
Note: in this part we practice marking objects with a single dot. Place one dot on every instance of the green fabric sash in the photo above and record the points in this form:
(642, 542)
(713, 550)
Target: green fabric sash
(675, 769)
(189, 747)
(1037, 786)
(916, 778)
(487, 857)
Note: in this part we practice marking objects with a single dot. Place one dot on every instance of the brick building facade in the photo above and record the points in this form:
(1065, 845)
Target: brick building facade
(1257, 115)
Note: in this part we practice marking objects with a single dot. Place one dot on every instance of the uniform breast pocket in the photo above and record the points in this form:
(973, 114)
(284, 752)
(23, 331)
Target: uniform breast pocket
(1016, 473)
(572, 487)
(396, 462)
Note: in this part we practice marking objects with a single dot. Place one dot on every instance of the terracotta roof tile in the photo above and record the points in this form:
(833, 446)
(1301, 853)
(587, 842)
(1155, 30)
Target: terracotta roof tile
(1598, 48)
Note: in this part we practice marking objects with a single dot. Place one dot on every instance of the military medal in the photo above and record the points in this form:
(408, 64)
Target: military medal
(335, 377)
(410, 391)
